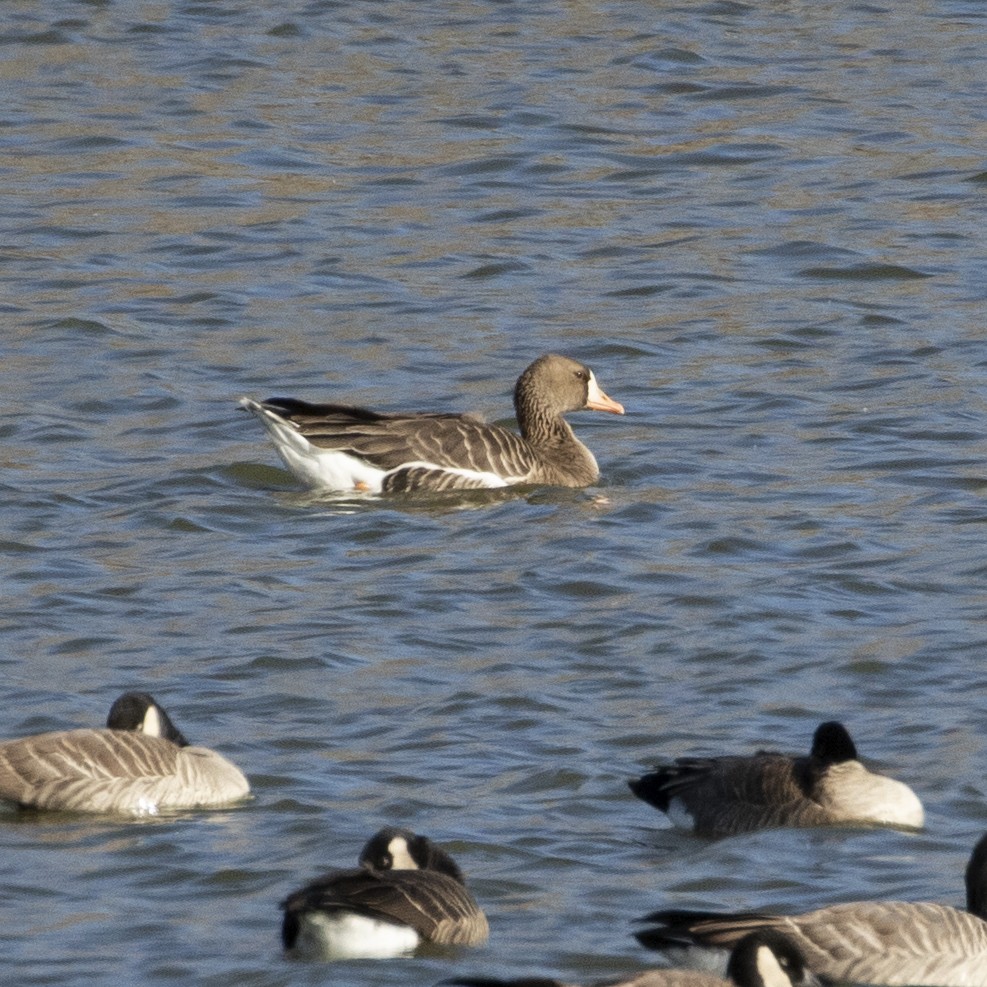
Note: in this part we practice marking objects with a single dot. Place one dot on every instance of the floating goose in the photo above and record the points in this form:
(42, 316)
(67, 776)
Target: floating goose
(722, 796)
(405, 892)
(873, 942)
(140, 764)
(342, 448)
(762, 959)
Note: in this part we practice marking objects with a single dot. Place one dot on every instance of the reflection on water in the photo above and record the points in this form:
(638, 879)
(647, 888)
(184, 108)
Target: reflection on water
(761, 225)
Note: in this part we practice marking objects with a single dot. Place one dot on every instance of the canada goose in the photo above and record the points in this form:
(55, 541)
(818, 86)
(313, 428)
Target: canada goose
(761, 959)
(342, 448)
(405, 892)
(873, 942)
(723, 796)
(140, 764)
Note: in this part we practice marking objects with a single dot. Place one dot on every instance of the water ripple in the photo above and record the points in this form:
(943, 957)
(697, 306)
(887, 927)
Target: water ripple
(769, 254)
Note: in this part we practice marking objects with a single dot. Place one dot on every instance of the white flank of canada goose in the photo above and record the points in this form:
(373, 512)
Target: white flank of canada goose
(342, 448)
(891, 943)
(406, 891)
(761, 959)
(140, 764)
(723, 796)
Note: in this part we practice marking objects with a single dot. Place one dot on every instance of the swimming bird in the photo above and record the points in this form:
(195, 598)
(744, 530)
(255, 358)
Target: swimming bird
(723, 796)
(140, 764)
(406, 891)
(342, 448)
(891, 943)
(762, 959)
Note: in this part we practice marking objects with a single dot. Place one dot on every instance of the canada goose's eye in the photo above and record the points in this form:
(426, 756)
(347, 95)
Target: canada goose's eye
(581, 375)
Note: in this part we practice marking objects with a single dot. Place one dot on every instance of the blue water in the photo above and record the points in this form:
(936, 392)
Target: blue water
(761, 226)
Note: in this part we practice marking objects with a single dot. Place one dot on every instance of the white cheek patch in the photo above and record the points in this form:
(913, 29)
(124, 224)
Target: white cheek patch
(400, 855)
(771, 972)
(152, 722)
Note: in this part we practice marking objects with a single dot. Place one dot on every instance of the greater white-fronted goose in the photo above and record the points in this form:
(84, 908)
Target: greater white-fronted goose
(723, 796)
(890, 943)
(406, 891)
(341, 448)
(762, 959)
(140, 764)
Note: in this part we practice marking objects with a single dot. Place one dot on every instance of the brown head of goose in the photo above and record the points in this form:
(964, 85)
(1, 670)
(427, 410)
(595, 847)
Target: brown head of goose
(406, 891)
(762, 959)
(342, 448)
(893, 943)
(139, 764)
(722, 796)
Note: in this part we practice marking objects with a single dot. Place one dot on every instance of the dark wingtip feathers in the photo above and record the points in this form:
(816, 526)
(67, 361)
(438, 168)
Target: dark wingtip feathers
(650, 788)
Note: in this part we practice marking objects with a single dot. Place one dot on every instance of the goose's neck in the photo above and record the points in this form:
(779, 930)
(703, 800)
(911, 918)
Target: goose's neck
(541, 427)
(976, 880)
(564, 459)
(976, 896)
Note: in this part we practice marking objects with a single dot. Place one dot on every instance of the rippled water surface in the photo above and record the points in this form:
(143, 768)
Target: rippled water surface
(761, 224)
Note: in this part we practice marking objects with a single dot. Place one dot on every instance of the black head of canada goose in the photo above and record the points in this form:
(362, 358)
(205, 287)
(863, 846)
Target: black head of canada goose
(342, 448)
(139, 764)
(762, 959)
(723, 796)
(892, 943)
(406, 891)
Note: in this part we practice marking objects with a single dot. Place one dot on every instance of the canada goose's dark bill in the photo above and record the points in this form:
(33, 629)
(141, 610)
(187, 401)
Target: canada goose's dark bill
(596, 400)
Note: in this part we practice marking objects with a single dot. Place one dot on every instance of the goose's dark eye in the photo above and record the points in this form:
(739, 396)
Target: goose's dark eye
(581, 374)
